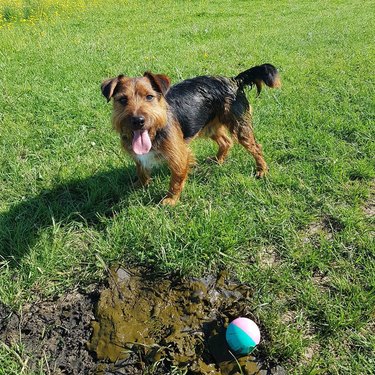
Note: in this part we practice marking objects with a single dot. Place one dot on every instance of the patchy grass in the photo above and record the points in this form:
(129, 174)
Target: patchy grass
(11, 360)
(67, 208)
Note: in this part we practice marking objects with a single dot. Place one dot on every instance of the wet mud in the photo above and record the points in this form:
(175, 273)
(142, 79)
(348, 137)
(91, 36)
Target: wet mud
(137, 324)
(169, 323)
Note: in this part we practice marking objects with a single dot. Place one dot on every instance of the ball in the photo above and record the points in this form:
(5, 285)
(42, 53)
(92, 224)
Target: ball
(242, 336)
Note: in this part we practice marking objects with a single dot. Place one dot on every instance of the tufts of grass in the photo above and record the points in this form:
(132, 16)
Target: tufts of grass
(12, 360)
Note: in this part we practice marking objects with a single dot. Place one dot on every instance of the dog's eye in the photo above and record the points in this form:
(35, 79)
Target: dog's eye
(123, 100)
(149, 97)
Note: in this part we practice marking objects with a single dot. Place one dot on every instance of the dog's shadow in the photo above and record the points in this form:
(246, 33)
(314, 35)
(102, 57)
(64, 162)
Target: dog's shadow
(81, 200)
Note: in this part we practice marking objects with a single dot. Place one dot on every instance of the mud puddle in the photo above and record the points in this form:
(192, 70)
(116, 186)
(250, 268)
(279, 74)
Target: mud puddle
(137, 324)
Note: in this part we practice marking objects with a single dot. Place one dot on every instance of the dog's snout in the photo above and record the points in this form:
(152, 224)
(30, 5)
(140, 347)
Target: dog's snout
(138, 121)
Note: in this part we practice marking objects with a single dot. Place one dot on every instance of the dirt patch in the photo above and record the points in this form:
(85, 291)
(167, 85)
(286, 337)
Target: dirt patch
(321, 280)
(53, 333)
(327, 227)
(137, 324)
(269, 257)
(310, 352)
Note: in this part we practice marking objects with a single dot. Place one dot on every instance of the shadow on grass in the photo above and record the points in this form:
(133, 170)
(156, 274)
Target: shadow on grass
(79, 201)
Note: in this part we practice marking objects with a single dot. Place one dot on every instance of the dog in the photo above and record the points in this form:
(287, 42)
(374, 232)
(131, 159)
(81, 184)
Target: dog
(157, 121)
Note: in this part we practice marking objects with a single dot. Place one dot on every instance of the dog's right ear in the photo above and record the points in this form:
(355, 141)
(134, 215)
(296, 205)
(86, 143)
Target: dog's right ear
(109, 85)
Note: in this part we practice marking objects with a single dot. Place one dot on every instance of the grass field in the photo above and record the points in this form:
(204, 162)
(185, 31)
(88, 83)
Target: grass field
(302, 237)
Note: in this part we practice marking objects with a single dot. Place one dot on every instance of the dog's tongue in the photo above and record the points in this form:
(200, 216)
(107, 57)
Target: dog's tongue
(141, 142)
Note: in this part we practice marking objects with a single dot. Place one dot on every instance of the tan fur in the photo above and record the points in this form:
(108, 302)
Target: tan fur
(240, 129)
(173, 150)
(219, 133)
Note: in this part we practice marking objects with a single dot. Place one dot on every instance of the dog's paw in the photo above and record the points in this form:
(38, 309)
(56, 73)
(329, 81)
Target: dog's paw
(261, 173)
(168, 201)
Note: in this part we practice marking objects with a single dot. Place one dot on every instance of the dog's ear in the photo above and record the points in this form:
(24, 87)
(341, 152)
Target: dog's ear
(109, 85)
(159, 82)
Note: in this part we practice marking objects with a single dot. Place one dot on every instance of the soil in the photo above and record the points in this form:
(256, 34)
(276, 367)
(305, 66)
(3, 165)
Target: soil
(138, 323)
(53, 333)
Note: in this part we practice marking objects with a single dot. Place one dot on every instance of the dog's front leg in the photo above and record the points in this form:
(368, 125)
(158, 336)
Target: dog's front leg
(179, 165)
(175, 188)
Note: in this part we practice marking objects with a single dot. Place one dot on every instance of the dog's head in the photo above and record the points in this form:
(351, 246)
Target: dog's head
(139, 108)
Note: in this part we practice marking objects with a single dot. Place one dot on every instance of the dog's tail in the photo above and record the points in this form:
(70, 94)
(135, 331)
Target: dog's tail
(259, 75)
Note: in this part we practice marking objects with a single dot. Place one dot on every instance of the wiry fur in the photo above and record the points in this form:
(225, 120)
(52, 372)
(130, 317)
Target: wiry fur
(173, 116)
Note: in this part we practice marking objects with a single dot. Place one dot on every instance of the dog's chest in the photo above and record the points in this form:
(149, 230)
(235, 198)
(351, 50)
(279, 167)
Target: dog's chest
(149, 160)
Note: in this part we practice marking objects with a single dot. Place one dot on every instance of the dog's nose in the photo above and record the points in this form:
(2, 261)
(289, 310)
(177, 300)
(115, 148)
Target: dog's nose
(138, 121)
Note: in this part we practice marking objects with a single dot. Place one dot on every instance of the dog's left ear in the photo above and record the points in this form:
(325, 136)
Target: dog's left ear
(109, 85)
(159, 82)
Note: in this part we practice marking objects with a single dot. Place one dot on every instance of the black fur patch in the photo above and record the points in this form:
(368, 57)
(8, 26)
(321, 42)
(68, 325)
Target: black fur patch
(195, 102)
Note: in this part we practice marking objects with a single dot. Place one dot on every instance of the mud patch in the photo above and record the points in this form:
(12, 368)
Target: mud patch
(321, 280)
(137, 324)
(169, 323)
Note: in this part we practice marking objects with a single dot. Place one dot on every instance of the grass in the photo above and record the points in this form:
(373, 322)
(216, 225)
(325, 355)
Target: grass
(31, 11)
(302, 238)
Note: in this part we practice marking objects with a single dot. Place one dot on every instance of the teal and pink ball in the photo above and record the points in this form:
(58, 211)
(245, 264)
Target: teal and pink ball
(242, 336)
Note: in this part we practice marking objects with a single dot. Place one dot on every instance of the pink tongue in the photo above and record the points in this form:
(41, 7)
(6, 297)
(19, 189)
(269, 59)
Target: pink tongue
(141, 142)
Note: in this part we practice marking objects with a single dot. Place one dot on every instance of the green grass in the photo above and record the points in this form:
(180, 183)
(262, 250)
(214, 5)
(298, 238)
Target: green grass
(301, 238)
(30, 11)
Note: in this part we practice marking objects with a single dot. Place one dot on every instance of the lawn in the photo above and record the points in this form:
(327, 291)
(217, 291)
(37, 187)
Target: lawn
(302, 238)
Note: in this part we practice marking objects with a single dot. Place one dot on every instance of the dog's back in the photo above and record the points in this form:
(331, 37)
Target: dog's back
(198, 101)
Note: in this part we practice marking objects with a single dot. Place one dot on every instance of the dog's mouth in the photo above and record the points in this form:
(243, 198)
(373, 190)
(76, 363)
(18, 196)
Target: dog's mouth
(141, 143)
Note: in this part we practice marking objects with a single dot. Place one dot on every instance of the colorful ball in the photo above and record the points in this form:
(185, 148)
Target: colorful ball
(242, 335)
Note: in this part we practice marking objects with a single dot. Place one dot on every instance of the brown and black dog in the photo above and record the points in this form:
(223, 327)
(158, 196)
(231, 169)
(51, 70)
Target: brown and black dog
(157, 121)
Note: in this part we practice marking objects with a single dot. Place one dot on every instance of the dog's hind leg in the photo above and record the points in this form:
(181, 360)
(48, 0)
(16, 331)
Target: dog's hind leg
(243, 131)
(218, 132)
(225, 143)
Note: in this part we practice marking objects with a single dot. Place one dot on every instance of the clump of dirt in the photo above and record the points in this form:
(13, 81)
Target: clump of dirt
(169, 323)
(137, 324)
